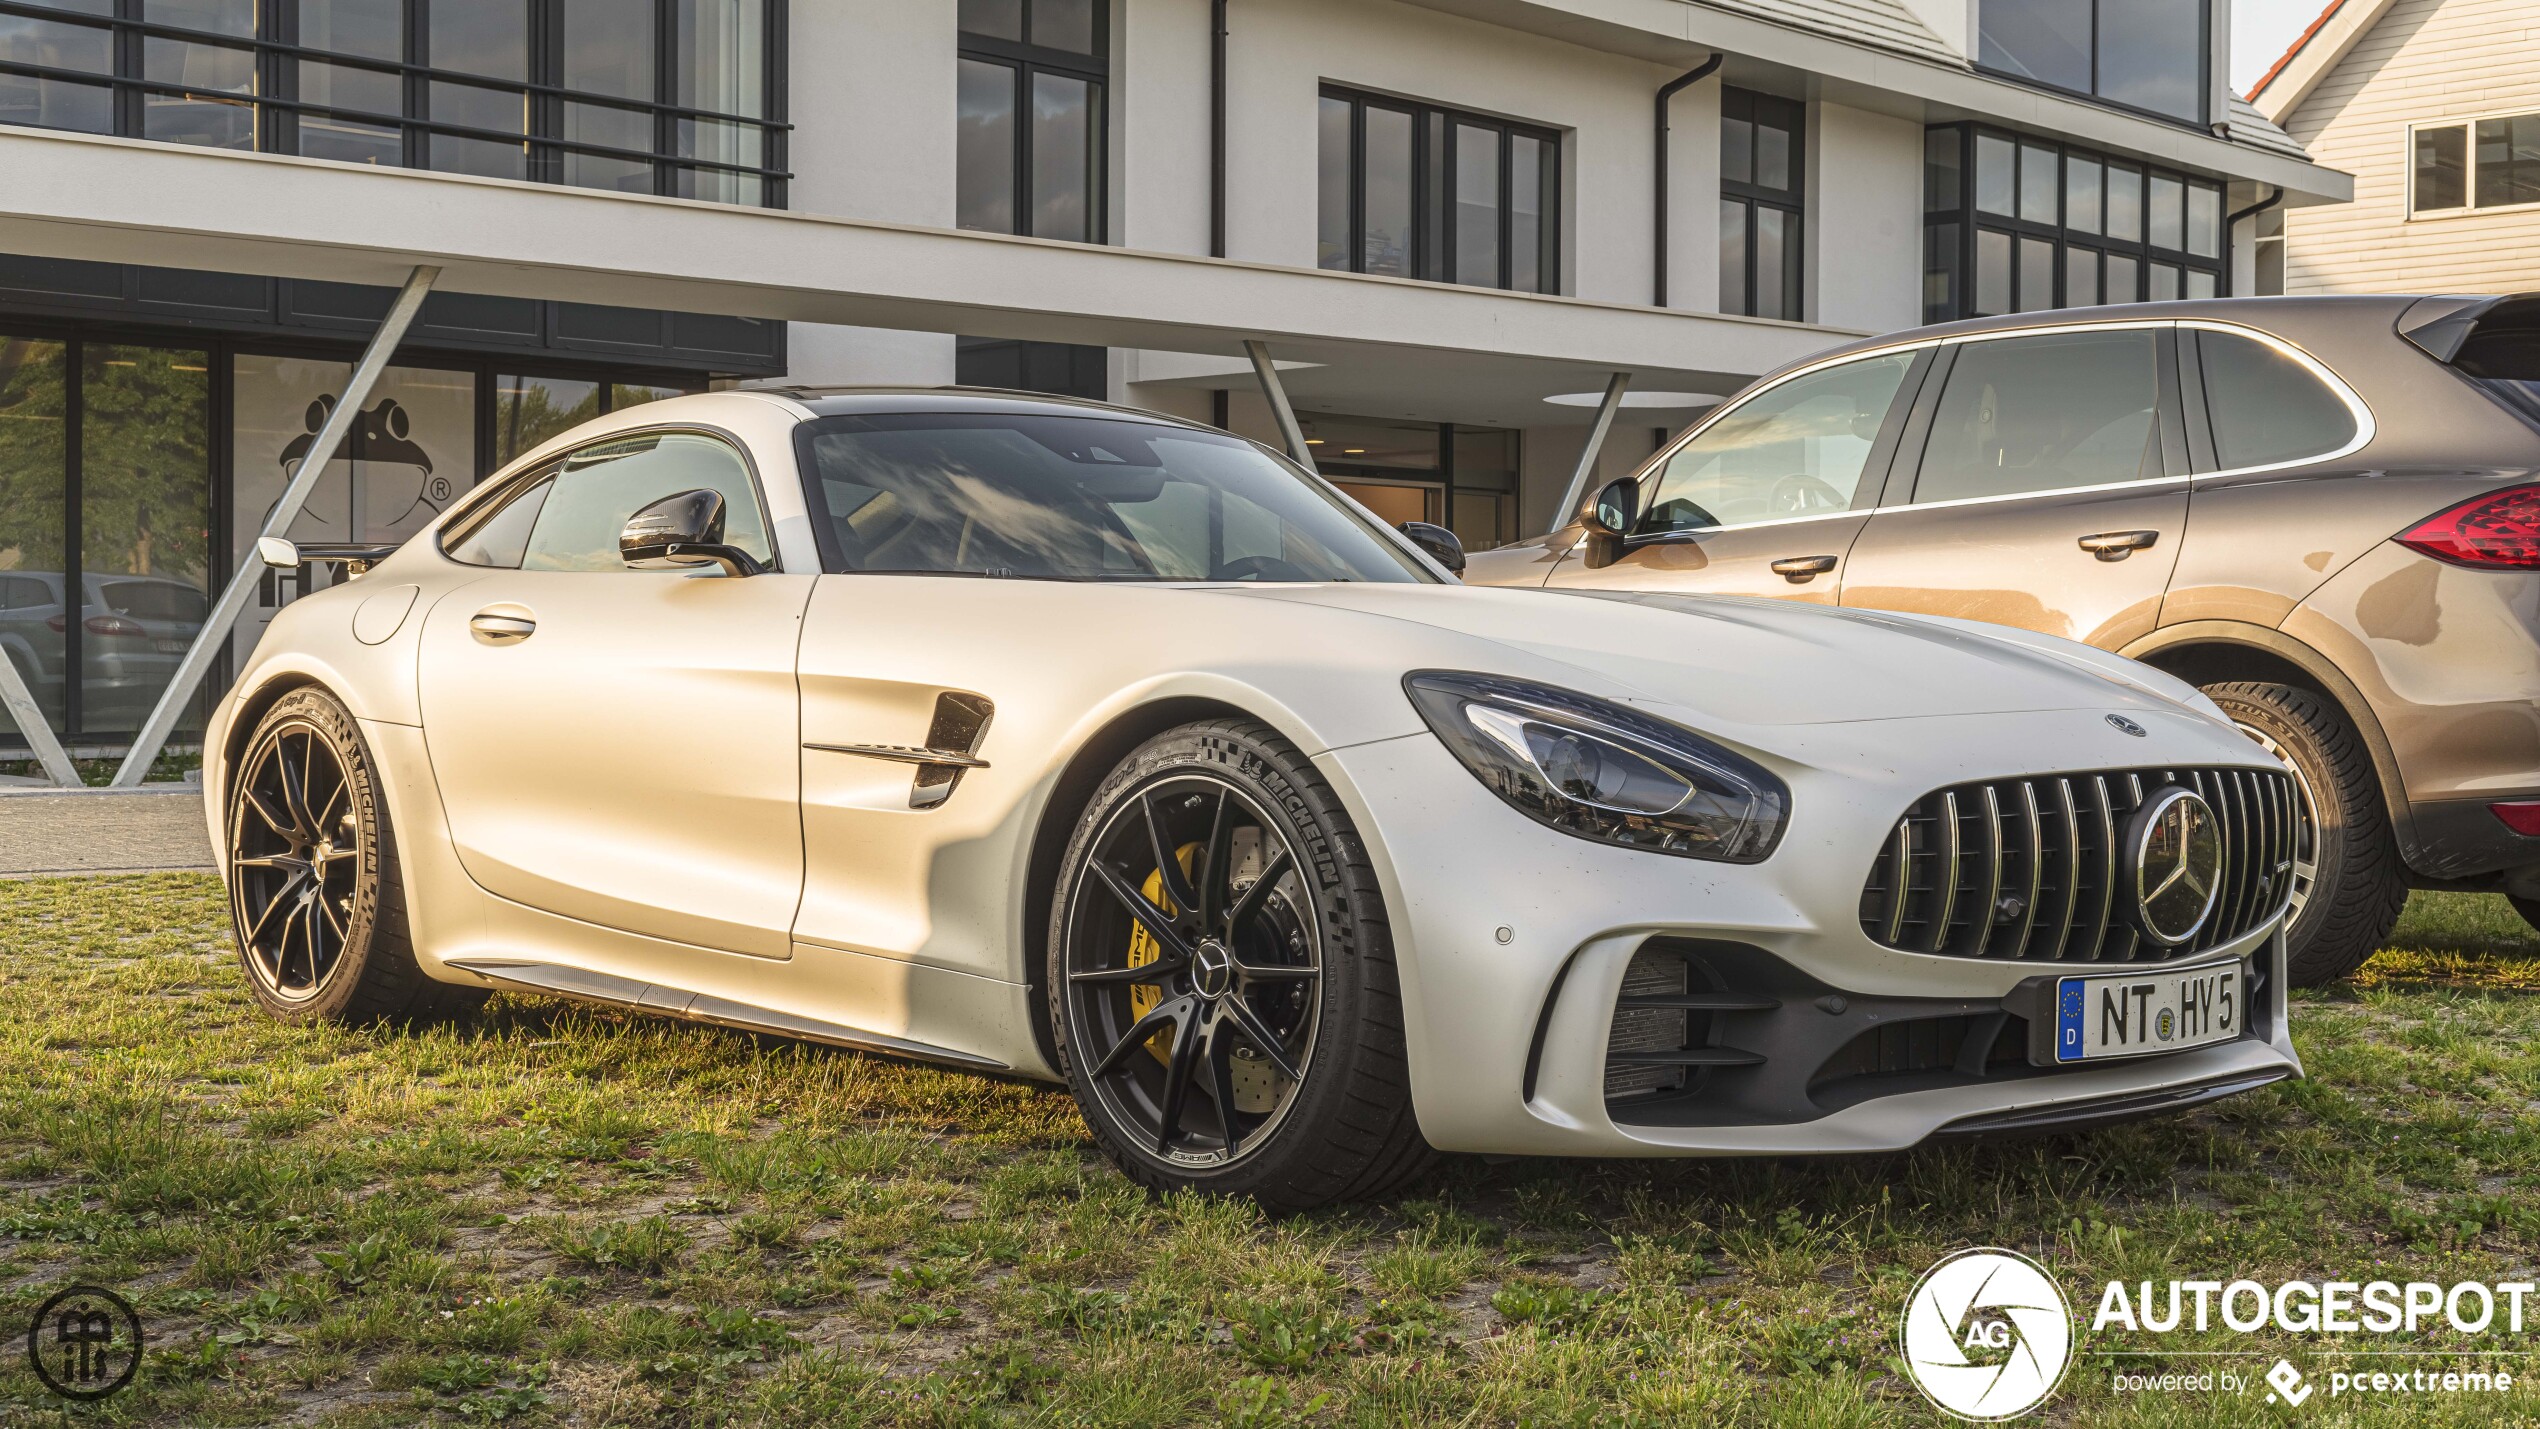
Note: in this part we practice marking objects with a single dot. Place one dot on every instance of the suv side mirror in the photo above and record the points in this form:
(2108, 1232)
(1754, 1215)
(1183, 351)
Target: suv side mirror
(1438, 542)
(1610, 518)
(680, 532)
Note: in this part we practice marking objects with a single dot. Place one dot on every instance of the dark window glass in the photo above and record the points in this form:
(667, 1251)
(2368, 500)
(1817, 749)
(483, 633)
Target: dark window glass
(1734, 219)
(2044, 413)
(1795, 449)
(2085, 185)
(1389, 194)
(2125, 283)
(487, 37)
(2265, 407)
(2081, 278)
(2152, 56)
(1997, 175)
(2037, 275)
(1940, 272)
(373, 29)
(608, 48)
(499, 535)
(2204, 220)
(1063, 369)
(2168, 225)
(1993, 272)
(2442, 168)
(34, 530)
(1079, 498)
(2125, 203)
(984, 187)
(2164, 282)
(2048, 41)
(145, 516)
(57, 44)
(529, 410)
(598, 487)
(1416, 192)
(996, 19)
(2509, 160)
(1066, 165)
(2039, 169)
(1761, 223)
(1064, 25)
(1942, 178)
(719, 55)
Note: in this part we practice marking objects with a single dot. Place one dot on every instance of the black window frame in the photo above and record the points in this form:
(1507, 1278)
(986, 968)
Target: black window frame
(1951, 229)
(277, 106)
(1028, 61)
(2204, 72)
(1434, 129)
(1791, 115)
(2471, 165)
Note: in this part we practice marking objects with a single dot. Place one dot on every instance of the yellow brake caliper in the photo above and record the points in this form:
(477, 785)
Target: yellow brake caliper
(1146, 997)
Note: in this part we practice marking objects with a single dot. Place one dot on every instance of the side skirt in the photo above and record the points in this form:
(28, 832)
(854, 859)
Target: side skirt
(697, 1007)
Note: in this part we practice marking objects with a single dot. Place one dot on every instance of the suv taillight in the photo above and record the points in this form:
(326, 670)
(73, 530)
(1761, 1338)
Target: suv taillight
(2499, 531)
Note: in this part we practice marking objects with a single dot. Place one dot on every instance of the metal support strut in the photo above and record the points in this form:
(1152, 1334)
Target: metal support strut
(20, 704)
(295, 495)
(1620, 383)
(1277, 393)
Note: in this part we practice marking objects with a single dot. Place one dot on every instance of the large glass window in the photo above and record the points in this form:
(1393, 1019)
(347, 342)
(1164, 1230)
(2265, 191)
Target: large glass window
(2484, 163)
(2149, 55)
(557, 91)
(599, 487)
(1760, 208)
(2016, 225)
(1032, 118)
(2045, 413)
(1415, 191)
(1798, 449)
(1463, 478)
(1078, 498)
(34, 524)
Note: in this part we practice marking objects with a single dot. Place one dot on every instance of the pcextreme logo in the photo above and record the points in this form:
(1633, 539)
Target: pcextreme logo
(1987, 1335)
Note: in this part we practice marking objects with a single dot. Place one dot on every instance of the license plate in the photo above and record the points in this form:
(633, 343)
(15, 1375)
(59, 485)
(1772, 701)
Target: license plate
(2136, 1014)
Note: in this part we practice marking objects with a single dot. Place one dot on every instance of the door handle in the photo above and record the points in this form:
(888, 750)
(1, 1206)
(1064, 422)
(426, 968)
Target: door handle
(1799, 570)
(495, 628)
(2117, 545)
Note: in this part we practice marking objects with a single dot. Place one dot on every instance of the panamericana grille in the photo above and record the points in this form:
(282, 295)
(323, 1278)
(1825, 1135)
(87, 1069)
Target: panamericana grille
(2036, 869)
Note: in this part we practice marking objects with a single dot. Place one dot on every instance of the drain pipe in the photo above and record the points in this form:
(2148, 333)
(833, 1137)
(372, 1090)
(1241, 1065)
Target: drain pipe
(2252, 211)
(1217, 129)
(1658, 264)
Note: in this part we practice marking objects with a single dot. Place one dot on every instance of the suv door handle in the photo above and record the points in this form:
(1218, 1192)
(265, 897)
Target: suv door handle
(496, 628)
(1799, 570)
(2117, 545)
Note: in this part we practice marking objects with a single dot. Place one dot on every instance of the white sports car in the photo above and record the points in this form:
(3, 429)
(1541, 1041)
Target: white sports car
(1055, 740)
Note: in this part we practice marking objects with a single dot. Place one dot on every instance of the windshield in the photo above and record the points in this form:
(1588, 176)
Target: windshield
(1077, 499)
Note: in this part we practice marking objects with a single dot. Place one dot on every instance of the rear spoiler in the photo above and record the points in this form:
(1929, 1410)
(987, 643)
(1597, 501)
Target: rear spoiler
(2484, 337)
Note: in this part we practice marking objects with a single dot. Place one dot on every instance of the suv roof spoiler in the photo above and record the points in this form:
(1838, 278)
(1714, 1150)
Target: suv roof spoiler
(2484, 337)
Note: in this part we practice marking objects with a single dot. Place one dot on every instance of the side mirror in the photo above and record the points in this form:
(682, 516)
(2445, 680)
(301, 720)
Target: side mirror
(1439, 542)
(681, 532)
(278, 552)
(1609, 519)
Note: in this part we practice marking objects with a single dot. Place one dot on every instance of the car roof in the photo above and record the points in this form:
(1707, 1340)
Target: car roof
(2381, 309)
(856, 401)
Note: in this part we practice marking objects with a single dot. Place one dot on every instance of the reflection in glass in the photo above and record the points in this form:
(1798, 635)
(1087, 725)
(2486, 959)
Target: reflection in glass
(1796, 449)
(1737, 149)
(2125, 203)
(2048, 41)
(2083, 187)
(56, 44)
(1775, 263)
(1733, 295)
(2152, 56)
(1993, 272)
(481, 157)
(2037, 183)
(1772, 155)
(2043, 413)
(1997, 167)
(2168, 212)
(347, 87)
(196, 116)
(56, 104)
(2125, 285)
(2200, 284)
(2204, 220)
(984, 190)
(348, 141)
(219, 17)
(721, 55)
(1940, 272)
(372, 28)
(2164, 285)
(1066, 158)
(2442, 168)
(529, 410)
(1388, 192)
(1476, 205)
(2509, 160)
(1331, 179)
(2037, 275)
(2081, 278)
(487, 37)
(145, 516)
(34, 472)
(608, 47)
(1064, 25)
(1526, 215)
(1941, 164)
(996, 19)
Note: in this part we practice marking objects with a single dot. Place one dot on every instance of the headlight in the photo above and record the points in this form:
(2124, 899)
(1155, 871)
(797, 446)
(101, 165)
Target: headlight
(1604, 771)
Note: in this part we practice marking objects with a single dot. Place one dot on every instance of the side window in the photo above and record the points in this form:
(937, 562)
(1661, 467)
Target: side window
(2265, 407)
(598, 487)
(499, 534)
(2046, 413)
(1793, 450)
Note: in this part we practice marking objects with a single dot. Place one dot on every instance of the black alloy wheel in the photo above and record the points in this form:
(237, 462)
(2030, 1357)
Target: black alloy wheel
(297, 850)
(1193, 969)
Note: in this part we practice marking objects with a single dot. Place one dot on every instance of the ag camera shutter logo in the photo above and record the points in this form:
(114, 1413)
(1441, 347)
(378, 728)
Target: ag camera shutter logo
(1987, 1335)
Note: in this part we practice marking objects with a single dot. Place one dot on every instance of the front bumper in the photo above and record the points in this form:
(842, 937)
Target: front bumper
(1514, 943)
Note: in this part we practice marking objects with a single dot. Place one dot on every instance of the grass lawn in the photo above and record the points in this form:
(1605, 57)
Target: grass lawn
(560, 1215)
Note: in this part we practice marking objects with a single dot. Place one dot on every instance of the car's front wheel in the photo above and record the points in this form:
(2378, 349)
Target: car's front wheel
(1221, 977)
(2348, 884)
(314, 892)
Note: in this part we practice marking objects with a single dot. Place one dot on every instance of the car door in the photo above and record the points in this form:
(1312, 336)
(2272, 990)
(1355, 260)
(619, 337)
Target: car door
(2048, 487)
(1767, 498)
(620, 746)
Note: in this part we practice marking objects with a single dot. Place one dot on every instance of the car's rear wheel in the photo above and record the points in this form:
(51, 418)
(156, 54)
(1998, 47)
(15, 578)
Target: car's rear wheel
(314, 892)
(1222, 980)
(2348, 883)
(2529, 908)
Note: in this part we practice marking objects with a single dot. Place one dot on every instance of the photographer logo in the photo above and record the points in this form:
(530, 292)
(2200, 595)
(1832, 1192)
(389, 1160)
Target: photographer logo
(1987, 1335)
(84, 1343)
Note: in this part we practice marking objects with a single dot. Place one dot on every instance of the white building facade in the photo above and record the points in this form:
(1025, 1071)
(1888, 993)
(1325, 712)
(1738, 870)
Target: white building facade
(1451, 223)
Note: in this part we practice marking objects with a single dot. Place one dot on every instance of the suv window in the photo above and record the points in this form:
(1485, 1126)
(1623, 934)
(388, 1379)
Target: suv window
(2265, 407)
(1797, 449)
(2046, 413)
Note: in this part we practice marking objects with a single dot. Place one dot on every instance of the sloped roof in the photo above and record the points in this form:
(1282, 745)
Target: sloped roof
(1881, 24)
(2256, 130)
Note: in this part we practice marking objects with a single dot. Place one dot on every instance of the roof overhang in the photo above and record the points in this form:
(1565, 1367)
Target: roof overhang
(2314, 53)
(127, 201)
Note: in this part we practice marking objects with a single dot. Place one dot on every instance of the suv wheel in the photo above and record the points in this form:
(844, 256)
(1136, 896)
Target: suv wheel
(2348, 886)
(1222, 979)
(314, 891)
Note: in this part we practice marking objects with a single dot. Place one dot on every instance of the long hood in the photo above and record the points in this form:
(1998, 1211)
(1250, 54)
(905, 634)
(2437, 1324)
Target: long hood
(1762, 663)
